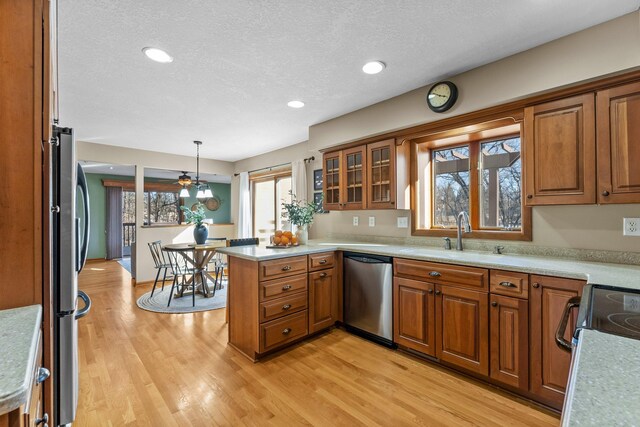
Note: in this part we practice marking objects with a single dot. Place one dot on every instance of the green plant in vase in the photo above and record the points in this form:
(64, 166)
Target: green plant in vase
(300, 213)
(197, 217)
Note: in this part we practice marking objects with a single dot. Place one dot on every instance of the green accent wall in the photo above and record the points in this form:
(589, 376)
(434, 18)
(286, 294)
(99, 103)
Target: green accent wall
(98, 204)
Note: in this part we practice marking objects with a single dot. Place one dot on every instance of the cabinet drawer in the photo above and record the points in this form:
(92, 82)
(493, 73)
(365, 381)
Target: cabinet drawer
(279, 307)
(280, 287)
(282, 267)
(509, 283)
(320, 261)
(471, 277)
(278, 332)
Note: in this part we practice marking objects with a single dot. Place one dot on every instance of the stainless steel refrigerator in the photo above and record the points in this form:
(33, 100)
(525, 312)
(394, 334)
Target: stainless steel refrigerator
(70, 241)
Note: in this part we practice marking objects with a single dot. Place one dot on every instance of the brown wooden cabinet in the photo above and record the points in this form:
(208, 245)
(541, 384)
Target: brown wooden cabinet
(462, 328)
(509, 341)
(618, 115)
(323, 299)
(549, 365)
(381, 172)
(332, 180)
(345, 179)
(560, 152)
(414, 317)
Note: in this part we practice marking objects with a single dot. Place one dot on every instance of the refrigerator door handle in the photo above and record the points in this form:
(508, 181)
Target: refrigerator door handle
(82, 184)
(87, 305)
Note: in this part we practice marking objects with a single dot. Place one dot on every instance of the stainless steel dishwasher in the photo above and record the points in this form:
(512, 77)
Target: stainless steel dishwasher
(368, 296)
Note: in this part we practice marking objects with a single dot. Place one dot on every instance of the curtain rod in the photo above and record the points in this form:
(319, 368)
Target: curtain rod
(270, 168)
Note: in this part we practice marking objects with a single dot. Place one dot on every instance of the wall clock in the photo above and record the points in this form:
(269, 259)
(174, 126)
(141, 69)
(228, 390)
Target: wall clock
(442, 96)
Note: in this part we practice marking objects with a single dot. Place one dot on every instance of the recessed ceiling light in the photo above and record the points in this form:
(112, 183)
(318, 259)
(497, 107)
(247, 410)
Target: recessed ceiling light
(295, 104)
(373, 67)
(158, 55)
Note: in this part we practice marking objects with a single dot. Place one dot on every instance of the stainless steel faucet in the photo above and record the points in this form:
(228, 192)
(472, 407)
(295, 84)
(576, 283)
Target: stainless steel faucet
(467, 228)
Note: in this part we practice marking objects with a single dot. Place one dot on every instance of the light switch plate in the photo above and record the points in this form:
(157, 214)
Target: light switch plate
(356, 221)
(372, 221)
(631, 227)
(403, 222)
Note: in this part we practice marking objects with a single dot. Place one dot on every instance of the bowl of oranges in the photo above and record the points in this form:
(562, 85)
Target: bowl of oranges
(283, 239)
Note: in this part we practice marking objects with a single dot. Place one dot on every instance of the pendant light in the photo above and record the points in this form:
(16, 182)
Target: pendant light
(207, 192)
(200, 191)
(184, 192)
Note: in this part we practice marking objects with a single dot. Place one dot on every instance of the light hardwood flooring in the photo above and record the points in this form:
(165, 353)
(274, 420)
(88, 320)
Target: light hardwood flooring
(142, 368)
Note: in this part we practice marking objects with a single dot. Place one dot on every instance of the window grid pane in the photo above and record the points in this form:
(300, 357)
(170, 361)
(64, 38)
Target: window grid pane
(451, 181)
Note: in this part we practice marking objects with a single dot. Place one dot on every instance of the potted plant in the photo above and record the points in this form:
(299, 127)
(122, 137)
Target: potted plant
(200, 232)
(300, 213)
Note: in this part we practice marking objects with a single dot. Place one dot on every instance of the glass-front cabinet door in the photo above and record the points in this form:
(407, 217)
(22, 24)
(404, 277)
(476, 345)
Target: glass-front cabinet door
(381, 174)
(354, 177)
(331, 166)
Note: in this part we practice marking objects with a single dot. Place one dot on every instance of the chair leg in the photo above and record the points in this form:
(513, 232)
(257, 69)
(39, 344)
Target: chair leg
(155, 282)
(173, 285)
(213, 293)
(164, 277)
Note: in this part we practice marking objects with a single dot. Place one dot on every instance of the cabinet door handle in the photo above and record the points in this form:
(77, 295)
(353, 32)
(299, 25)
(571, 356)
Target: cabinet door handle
(429, 291)
(286, 287)
(529, 196)
(507, 284)
(44, 420)
(286, 331)
(438, 292)
(322, 261)
(494, 303)
(536, 285)
(434, 274)
(286, 268)
(43, 374)
(323, 275)
(286, 306)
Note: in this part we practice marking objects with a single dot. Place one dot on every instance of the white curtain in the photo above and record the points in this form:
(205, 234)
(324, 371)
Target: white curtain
(245, 222)
(299, 179)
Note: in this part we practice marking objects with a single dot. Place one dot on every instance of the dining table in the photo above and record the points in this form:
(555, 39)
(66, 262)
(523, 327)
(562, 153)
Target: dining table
(198, 257)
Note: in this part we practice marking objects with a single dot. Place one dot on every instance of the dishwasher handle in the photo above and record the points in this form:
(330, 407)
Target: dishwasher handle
(368, 259)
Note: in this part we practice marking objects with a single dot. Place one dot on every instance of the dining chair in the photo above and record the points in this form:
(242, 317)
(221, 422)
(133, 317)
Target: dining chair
(160, 262)
(251, 241)
(181, 269)
(217, 262)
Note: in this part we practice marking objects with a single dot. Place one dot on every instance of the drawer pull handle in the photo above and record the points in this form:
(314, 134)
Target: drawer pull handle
(322, 261)
(438, 292)
(429, 291)
(536, 285)
(43, 374)
(507, 284)
(434, 274)
(286, 268)
(286, 331)
(286, 306)
(323, 274)
(494, 303)
(286, 287)
(44, 420)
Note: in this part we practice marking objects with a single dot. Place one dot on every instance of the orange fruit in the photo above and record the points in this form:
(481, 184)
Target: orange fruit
(294, 240)
(288, 234)
(284, 240)
(278, 233)
(276, 240)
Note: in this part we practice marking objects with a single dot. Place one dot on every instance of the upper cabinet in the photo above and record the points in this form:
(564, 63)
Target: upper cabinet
(618, 115)
(368, 176)
(560, 152)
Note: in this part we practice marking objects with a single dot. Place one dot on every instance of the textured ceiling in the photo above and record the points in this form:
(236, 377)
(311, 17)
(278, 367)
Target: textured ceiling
(124, 170)
(237, 63)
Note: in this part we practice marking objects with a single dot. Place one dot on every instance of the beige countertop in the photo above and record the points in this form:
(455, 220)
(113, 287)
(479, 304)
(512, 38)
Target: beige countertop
(603, 388)
(18, 345)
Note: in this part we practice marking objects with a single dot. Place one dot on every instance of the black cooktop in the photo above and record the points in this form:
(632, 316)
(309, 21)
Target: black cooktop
(612, 310)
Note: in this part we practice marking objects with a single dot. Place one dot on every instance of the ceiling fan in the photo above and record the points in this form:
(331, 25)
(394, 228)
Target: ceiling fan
(203, 190)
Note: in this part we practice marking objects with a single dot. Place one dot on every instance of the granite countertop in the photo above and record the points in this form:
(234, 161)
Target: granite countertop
(603, 388)
(18, 344)
(627, 276)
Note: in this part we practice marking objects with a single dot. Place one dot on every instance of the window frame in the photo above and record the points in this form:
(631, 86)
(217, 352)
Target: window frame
(147, 197)
(473, 136)
(265, 177)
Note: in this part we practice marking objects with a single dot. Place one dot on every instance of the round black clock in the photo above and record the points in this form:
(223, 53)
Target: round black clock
(442, 96)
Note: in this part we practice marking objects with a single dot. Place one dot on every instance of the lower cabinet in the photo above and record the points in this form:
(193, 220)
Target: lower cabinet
(414, 316)
(323, 299)
(549, 365)
(509, 341)
(462, 328)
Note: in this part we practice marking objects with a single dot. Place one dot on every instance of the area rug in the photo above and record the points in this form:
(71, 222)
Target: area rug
(126, 264)
(158, 303)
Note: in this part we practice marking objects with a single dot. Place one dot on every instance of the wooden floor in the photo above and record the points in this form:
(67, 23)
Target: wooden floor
(142, 368)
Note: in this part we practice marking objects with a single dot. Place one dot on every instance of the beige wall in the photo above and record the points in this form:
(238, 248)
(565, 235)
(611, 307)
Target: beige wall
(141, 159)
